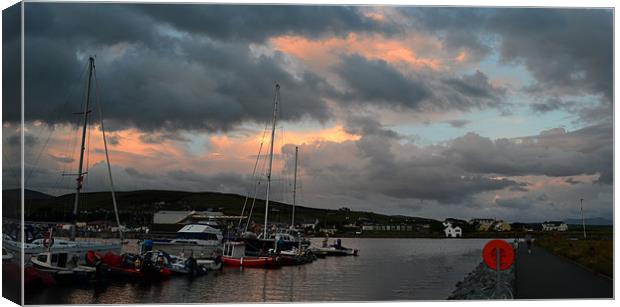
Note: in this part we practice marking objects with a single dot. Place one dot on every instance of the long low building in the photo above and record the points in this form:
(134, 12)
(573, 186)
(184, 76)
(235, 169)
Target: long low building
(388, 227)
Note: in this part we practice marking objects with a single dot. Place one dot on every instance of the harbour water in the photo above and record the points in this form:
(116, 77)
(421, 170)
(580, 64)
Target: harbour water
(386, 269)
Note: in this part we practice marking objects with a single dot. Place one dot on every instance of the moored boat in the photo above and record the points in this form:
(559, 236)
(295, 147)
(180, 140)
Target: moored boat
(177, 265)
(63, 266)
(196, 240)
(234, 255)
(129, 266)
(335, 249)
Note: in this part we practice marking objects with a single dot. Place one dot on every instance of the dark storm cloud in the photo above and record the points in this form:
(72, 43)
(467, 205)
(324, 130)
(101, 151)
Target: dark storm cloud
(455, 172)
(568, 51)
(259, 22)
(11, 60)
(475, 86)
(520, 203)
(375, 165)
(458, 27)
(377, 82)
(363, 125)
(154, 77)
(555, 153)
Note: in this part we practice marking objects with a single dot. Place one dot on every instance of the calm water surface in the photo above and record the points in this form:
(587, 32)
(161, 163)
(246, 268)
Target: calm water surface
(386, 269)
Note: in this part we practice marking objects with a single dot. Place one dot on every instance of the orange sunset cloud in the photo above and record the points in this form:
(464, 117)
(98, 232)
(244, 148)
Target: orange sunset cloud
(325, 52)
(241, 147)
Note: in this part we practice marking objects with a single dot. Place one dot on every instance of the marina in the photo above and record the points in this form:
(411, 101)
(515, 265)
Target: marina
(249, 153)
(388, 269)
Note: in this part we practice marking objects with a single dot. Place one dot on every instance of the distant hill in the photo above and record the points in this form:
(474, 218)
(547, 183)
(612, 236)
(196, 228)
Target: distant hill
(28, 194)
(597, 221)
(137, 208)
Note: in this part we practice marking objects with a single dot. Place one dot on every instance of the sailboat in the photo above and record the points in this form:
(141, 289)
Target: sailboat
(253, 251)
(72, 247)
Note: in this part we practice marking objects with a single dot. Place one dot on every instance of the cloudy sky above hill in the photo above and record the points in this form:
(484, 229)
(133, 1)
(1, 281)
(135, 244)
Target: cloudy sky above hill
(436, 112)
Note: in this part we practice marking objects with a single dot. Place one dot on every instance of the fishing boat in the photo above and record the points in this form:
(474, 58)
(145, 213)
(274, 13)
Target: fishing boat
(63, 266)
(234, 256)
(32, 248)
(196, 240)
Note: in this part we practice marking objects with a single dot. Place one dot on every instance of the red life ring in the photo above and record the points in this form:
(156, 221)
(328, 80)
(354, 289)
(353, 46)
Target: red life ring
(48, 242)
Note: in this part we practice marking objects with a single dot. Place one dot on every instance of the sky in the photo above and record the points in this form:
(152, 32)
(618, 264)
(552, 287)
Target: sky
(423, 111)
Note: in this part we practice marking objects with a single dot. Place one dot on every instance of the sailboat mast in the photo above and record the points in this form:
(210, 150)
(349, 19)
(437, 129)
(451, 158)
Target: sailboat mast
(80, 174)
(294, 187)
(273, 134)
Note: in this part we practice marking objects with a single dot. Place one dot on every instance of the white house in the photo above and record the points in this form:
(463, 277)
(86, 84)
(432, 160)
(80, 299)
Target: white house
(452, 232)
(554, 226)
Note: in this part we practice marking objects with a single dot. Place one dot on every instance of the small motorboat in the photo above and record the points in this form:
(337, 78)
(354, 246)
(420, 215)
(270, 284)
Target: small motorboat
(129, 266)
(335, 249)
(296, 256)
(234, 255)
(62, 267)
(176, 264)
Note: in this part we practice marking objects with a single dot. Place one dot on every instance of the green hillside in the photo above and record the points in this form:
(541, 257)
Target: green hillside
(137, 207)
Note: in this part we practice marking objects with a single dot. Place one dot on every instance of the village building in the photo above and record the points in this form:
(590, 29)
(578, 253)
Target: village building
(482, 224)
(452, 232)
(501, 226)
(554, 226)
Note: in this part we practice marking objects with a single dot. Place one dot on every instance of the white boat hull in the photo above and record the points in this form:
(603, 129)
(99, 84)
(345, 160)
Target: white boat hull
(186, 249)
(78, 248)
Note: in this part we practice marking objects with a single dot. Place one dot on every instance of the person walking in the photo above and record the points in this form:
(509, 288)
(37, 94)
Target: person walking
(515, 243)
(528, 242)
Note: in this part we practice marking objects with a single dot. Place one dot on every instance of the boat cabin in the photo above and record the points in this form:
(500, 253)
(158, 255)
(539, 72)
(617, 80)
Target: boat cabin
(56, 260)
(234, 249)
(199, 232)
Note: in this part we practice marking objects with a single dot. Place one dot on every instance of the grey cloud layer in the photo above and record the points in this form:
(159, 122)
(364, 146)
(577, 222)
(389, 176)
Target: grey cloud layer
(378, 83)
(566, 50)
(196, 66)
(457, 171)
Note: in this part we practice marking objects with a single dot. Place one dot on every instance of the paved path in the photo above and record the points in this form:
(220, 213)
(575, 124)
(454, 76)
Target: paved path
(541, 275)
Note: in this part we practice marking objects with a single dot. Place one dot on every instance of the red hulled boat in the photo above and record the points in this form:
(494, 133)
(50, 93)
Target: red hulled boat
(234, 255)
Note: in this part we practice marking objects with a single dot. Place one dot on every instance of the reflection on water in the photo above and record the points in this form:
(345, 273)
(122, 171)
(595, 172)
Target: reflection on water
(387, 269)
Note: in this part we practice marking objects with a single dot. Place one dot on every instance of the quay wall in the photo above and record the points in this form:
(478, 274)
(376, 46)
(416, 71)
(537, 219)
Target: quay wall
(480, 284)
